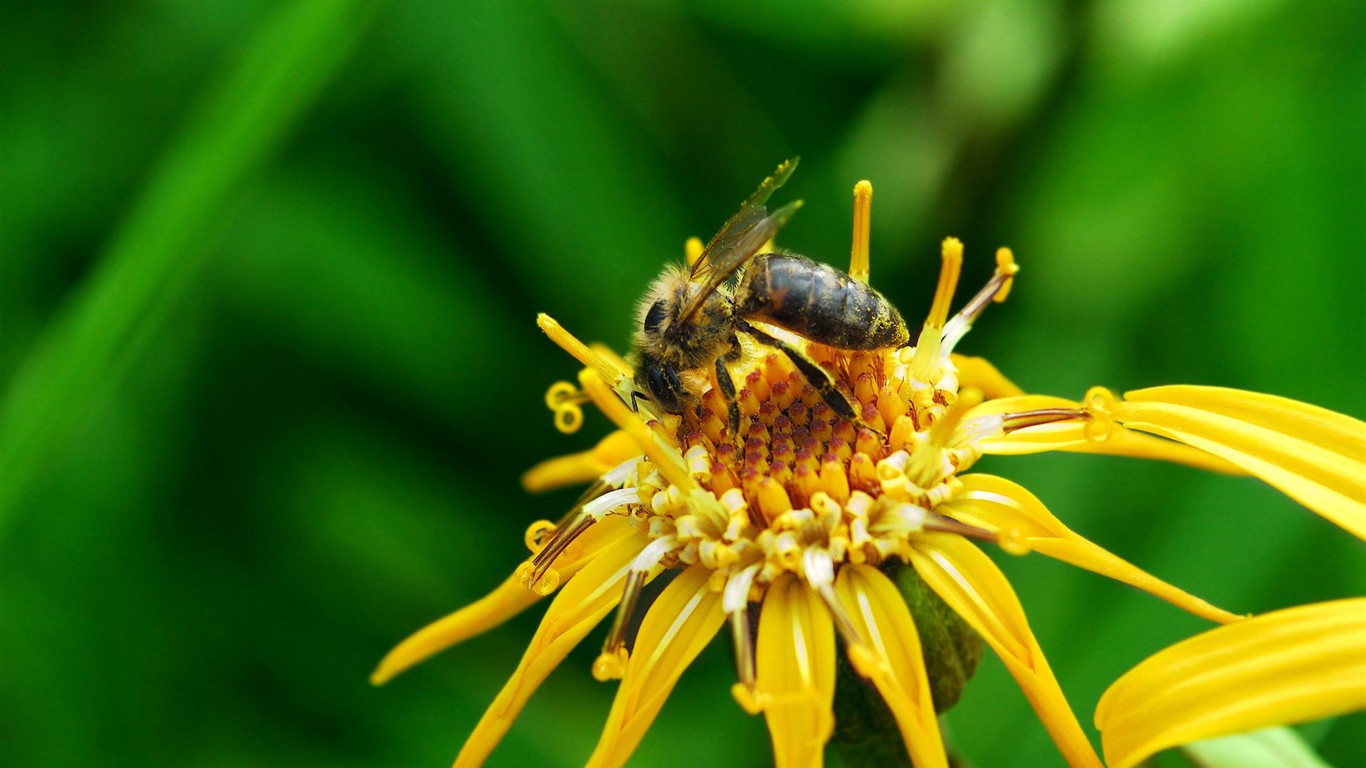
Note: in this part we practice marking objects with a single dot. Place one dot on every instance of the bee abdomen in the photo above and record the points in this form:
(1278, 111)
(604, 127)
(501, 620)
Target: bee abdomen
(819, 302)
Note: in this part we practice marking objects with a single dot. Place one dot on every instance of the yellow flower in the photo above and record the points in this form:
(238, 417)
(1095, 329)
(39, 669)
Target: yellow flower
(1282, 667)
(802, 511)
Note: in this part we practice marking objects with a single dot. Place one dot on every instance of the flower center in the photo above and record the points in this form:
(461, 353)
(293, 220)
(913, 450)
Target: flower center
(797, 488)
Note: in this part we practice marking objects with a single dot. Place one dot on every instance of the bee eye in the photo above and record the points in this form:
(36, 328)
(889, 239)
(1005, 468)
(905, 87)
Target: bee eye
(654, 317)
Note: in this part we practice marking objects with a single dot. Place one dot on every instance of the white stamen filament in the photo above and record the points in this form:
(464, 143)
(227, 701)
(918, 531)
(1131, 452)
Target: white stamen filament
(610, 501)
(736, 595)
(819, 568)
(653, 553)
(619, 474)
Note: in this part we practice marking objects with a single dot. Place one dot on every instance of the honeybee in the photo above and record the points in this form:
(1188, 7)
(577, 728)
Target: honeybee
(690, 320)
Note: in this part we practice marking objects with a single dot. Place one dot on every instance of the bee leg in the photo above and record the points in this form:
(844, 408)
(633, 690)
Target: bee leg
(637, 395)
(727, 385)
(836, 398)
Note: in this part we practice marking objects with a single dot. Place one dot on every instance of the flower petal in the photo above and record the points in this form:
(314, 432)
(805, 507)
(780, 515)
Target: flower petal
(507, 600)
(796, 672)
(879, 615)
(1002, 506)
(1315, 456)
(1283, 667)
(1071, 436)
(974, 587)
(683, 619)
(980, 373)
(582, 467)
(579, 606)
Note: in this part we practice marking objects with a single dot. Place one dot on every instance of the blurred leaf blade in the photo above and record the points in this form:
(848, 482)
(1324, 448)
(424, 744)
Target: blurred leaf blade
(156, 252)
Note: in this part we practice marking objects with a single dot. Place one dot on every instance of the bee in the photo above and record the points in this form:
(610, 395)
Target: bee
(690, 321)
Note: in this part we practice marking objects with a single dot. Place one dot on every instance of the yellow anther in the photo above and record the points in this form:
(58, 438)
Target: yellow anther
(1098, 400)
(568, 419)
(580, 351)
(1006, 266)
(610, 665)
(563, 399)
(549, 582)
(538, 533)
(902, 431)
(561, 392)
(835, 481)
(773, 500)
(1099, 428)
(823, 505)
(951, 253)
(863, 209)
(747, 698)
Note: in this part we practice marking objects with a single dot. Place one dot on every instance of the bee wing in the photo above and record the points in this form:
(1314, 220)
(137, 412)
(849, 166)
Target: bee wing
(740, 239)
(751, 213)
(746, 247)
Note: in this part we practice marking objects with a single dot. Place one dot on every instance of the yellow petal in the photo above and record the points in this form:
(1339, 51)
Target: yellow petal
(976, 589)
(796, 672)
(579, 468)
(1283, 667)
(677, 627)
(980, 373)
(879, 614)
(1002, 506)
(578, 607)
(509, 599)
(1071, 436)
(1315, 456)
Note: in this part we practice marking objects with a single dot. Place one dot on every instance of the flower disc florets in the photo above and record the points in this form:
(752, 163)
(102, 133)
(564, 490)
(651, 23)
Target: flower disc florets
(786, 520)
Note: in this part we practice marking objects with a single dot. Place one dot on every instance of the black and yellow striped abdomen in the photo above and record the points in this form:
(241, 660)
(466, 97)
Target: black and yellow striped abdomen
(819, 303)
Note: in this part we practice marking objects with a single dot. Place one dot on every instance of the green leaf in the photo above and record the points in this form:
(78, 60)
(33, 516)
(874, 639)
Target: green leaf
(1267, 748)
(155, 256)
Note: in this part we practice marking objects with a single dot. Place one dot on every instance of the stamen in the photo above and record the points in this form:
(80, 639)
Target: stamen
(925, 467)
(538, 533)
(1102, 424)
(996, 289)
(564, 400)
(951, 253)
(941, 524)
(834, 480)
(863, 209)
(580, 351)
(537, 575)
(773, 499)
(744, 691)
(1014, 422)
(1005, 262)
(611, 663)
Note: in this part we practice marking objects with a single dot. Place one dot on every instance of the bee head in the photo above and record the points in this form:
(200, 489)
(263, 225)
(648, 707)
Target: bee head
(658, 310)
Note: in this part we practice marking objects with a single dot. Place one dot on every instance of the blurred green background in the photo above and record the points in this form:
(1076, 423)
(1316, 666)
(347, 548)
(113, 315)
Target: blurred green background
(271, 373)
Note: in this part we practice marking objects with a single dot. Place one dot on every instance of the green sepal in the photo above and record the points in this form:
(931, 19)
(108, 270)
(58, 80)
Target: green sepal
(951, 648)
(866, 733)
